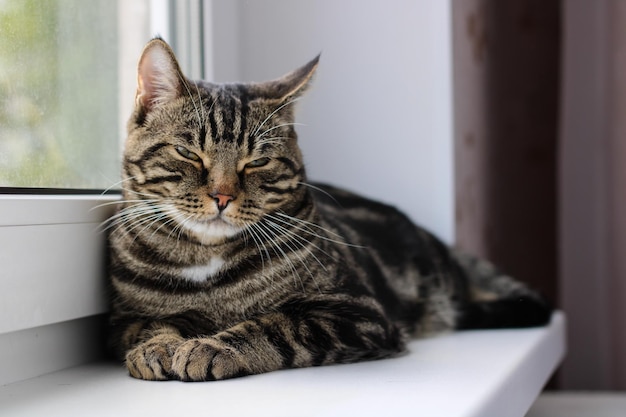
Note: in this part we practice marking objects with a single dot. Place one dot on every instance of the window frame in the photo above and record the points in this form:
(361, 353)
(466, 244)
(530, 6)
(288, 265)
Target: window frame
(51, 240)
(52, 245)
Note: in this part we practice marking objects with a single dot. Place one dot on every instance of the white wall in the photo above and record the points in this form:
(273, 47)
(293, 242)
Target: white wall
(379, 116)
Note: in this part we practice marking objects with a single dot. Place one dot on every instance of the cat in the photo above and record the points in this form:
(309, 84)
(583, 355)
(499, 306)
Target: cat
(225, 261)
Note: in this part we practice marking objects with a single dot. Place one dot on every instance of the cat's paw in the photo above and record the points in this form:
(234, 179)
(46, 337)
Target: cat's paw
(206, 359)
(152, 360)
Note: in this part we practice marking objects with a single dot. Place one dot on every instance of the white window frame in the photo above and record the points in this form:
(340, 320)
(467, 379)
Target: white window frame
(52, 286)
(53, 247)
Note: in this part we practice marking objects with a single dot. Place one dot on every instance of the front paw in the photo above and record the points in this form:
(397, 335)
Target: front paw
(152, 360)
(207, 359)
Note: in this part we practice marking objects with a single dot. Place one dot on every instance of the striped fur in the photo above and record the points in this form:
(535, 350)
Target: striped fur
(226, 262)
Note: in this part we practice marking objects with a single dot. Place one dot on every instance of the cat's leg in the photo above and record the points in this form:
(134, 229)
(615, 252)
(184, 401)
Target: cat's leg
(241, 350)
(147, 349)
(289, 339)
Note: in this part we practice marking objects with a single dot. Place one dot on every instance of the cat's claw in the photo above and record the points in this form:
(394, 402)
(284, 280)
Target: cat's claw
(206, 359)
(152, 360)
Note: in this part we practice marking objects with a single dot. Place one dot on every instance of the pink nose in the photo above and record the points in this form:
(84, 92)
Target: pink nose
(222, 200)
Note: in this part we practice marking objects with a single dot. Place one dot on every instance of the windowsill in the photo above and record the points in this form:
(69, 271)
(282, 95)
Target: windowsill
(52, 246)
(474, 373)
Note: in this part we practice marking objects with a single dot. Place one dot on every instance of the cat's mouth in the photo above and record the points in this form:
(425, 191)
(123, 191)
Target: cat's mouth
(210, 230)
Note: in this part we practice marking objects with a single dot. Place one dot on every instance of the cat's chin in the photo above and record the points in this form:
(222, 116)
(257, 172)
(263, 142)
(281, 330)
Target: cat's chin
(211, 231)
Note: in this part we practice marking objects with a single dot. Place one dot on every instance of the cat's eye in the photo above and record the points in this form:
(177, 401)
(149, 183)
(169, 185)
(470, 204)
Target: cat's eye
(186, 153)
(257, 163)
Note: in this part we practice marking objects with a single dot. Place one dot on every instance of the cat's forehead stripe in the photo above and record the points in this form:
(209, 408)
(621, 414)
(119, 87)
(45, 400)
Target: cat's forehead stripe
(212, 123)
(203, 136)
(229, 119)
(243, 124)
(228, 113)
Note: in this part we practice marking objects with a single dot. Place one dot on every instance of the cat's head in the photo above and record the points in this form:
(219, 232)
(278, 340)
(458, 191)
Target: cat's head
(212, 158)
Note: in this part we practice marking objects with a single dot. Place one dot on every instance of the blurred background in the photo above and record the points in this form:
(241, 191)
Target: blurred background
(498, 125)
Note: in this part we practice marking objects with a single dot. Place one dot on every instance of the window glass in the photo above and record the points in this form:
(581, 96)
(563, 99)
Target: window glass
(67, 80)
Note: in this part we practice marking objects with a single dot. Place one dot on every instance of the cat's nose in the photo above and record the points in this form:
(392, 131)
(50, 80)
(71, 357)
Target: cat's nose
(221, 200)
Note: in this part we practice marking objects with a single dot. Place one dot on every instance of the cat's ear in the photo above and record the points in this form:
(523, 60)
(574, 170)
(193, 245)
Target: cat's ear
(159, 78)
(292, 85)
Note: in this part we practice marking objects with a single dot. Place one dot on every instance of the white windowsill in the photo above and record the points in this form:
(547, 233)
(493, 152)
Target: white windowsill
(52, 282)
(477, 373)
(52, 259)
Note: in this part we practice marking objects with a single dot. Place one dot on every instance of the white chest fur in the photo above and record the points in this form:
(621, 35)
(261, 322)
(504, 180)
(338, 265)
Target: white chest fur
(200, 273)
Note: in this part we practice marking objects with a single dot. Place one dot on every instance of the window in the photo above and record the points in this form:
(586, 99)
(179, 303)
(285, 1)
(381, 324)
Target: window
(65, 89)
(67, 84)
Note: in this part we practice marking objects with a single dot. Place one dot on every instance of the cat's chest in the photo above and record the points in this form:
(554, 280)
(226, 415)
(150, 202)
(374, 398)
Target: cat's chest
(203, 272)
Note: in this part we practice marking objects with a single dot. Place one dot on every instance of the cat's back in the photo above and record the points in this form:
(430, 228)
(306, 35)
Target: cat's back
(373, 229)
(401, 248)
(366, 216)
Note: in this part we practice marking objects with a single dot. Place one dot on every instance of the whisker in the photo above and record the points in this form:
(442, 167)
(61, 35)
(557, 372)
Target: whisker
(273, 113)
(303, 246)
(173, 218)
(278, 127)
(295, 252)
(141, 194)
(193, 101)
(111, 203)
(116, 184)
(302, 242)
(165, 210)
(259, 243)
(138, 215)
(270, 141)
(140, 219)
(306, 184)
(134, 210)
(271, 236)
(180, 228)
(204, 119)
(303, 227)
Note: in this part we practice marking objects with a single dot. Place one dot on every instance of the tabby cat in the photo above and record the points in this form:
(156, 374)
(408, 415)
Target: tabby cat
(226, 262)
